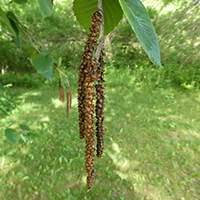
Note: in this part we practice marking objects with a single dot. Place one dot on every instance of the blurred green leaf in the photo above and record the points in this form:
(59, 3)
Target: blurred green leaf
(12, 136)
(43, 50)
(5, 19)
(46, 7)
(64, 83)
(27, 138)
(139, 20)
(59, 59)
(49, 73)
(84, 10)
(3, 111)
(24, 127)
(33, 53)
(1, 87)
(58, 73)
(15, 27)
(33, 134)
(43, 63)
(20, 1)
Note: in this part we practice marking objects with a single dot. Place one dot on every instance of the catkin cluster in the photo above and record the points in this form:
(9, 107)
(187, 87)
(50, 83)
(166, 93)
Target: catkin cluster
(100, 105)
(91, 79)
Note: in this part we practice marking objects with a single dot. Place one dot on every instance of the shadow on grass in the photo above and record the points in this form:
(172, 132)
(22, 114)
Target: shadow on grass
(151, 148)
(53, 166)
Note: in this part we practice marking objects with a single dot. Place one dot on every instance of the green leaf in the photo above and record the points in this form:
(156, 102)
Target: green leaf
(84, 10)
(140, 22)
(58, 73)
(33, 134)
(43, 63)
(17, 41)
(43, 50)
(13, 19)
(27, 138)
(1, 87)
(6, 20)
(24, 127)
(3, 111)
(33, 53)
(49, 73)
(12, 23)
(20, 1)
(55, 61)
(64, 83)
(59, 59)
(12, 136)
(46, 7)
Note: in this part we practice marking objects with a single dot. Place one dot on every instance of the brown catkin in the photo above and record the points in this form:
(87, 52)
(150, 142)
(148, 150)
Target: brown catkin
(81, 101)
(86, 97)
(61, 91)
(89, 123)
(100, 106)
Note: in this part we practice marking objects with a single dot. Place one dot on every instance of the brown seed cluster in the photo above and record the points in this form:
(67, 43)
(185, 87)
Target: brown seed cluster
(100, 106)
(89, 72)
(61, 92)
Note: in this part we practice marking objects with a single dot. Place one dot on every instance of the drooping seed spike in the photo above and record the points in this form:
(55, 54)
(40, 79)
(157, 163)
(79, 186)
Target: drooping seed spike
(86, 97)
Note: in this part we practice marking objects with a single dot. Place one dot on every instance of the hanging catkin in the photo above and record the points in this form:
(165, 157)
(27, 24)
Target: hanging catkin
(100, 105)
(61, 92)
(86, 97)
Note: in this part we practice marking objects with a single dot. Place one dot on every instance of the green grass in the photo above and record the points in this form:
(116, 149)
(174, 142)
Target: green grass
(152, 144)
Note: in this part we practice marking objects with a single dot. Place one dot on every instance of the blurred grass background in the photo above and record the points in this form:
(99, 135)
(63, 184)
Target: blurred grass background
(152, 121)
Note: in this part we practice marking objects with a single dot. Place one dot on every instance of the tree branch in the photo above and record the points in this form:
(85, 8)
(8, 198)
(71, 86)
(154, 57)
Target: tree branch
(100, 7)
(9, 127)
(26, 32)
(100, 45)
(23, 28)
(68, 87)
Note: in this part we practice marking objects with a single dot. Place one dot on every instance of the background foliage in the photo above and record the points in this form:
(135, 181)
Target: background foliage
(152, 130)
(179, 45)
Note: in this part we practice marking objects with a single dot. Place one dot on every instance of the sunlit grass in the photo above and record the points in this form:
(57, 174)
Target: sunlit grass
(152, 145)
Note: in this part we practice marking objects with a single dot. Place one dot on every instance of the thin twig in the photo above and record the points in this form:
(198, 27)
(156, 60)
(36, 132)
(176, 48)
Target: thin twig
(69, 93)
(4, 125)
(23, 28)
(29, 33)
(9, 128)
(100, 45)
(60, 71)
(68, 103)
(100, 7)
(26, 32)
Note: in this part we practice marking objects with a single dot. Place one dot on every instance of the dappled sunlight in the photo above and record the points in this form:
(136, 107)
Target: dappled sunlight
(57, 103)
(151, 115)
(25, 95)
(6, 164)
(127, 170)
(188, 133)
(45, 119)
(193, 133)
(197, 98)
(121, 163)
(108, 119)
(153, 147)
(74, 101)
